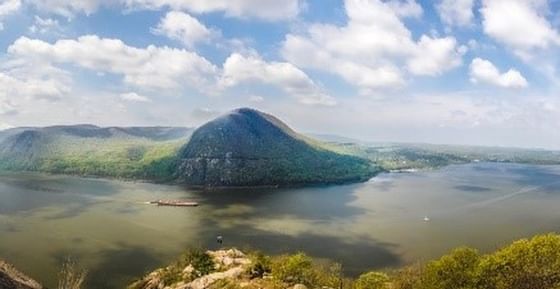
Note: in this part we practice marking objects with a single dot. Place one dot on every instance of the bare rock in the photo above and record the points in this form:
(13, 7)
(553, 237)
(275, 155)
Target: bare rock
(205, 281)
(11, 278)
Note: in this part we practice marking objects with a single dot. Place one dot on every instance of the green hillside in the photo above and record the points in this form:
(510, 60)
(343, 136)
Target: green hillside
(137, 152)
(247, 147)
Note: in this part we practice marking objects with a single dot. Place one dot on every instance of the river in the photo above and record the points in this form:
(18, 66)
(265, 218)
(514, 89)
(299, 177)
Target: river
(106, 227)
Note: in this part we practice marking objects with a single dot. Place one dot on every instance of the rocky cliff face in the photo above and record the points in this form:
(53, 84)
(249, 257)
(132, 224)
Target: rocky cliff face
(250, 148)
(10, 278)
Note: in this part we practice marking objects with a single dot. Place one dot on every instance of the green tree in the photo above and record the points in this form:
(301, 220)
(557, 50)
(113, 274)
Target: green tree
(372, 280)
(456, 270)
(294, 269)
(526, 264)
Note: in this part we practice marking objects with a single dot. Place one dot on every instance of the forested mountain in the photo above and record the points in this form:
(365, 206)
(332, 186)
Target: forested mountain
(247, 147)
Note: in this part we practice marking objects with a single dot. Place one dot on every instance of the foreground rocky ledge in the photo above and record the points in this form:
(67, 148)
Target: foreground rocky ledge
(10, 278)
(231, 269)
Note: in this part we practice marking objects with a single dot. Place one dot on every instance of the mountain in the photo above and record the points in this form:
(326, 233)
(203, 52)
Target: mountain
(250, 148)
(125, 152)
(243, 148)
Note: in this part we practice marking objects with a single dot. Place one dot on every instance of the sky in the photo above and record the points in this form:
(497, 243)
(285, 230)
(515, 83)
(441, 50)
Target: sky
(482, 72)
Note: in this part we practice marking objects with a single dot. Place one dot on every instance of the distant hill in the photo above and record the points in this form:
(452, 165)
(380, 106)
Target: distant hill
(124, 152)
(247, 148)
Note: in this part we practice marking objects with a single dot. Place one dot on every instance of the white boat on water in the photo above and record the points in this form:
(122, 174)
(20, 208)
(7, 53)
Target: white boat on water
(426, 219)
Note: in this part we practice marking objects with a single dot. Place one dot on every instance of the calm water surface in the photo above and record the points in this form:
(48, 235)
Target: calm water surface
(107, 228)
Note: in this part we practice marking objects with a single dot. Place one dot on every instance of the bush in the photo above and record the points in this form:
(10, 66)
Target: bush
(526, 264)
(202, 263)
(260, 265)
(372, 280)
(456, 270)
(294, 269)
(329, 275)
(408, 277)
(300, 269)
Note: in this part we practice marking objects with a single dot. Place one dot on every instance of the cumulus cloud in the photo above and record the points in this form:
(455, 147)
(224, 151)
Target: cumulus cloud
(406, 8)
(21, 79)
(134, 97)
(456, 12)
(68, 8)
(519, 24)
(183, 27)
(271, 10)
(155, 68)
(262, 9)
(484, 71)
(372, 49)
(239, 69)
(152, 67)
(433, 55)
(23, 85)
(8, 7)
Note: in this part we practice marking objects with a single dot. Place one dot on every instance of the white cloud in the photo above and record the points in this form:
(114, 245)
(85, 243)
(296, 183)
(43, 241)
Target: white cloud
(406, 8)
(456, 12)
(8, 7)
(134, 97)
(152, 67)
(20, 79)
(184, 28)
(372, 49)
(239, 69)
(23, 85)
(68, 8)
(519, 24)
(44, 25)
(433, 56)
(155, 68)
(484, 71)
(262, 9)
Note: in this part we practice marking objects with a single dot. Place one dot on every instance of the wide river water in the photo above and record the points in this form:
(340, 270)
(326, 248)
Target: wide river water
(105, 226)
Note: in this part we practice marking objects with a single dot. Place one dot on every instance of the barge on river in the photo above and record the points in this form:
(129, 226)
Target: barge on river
(174, 203)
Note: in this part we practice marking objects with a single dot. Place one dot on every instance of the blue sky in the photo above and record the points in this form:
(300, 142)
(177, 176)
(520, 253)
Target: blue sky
(463, 71)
